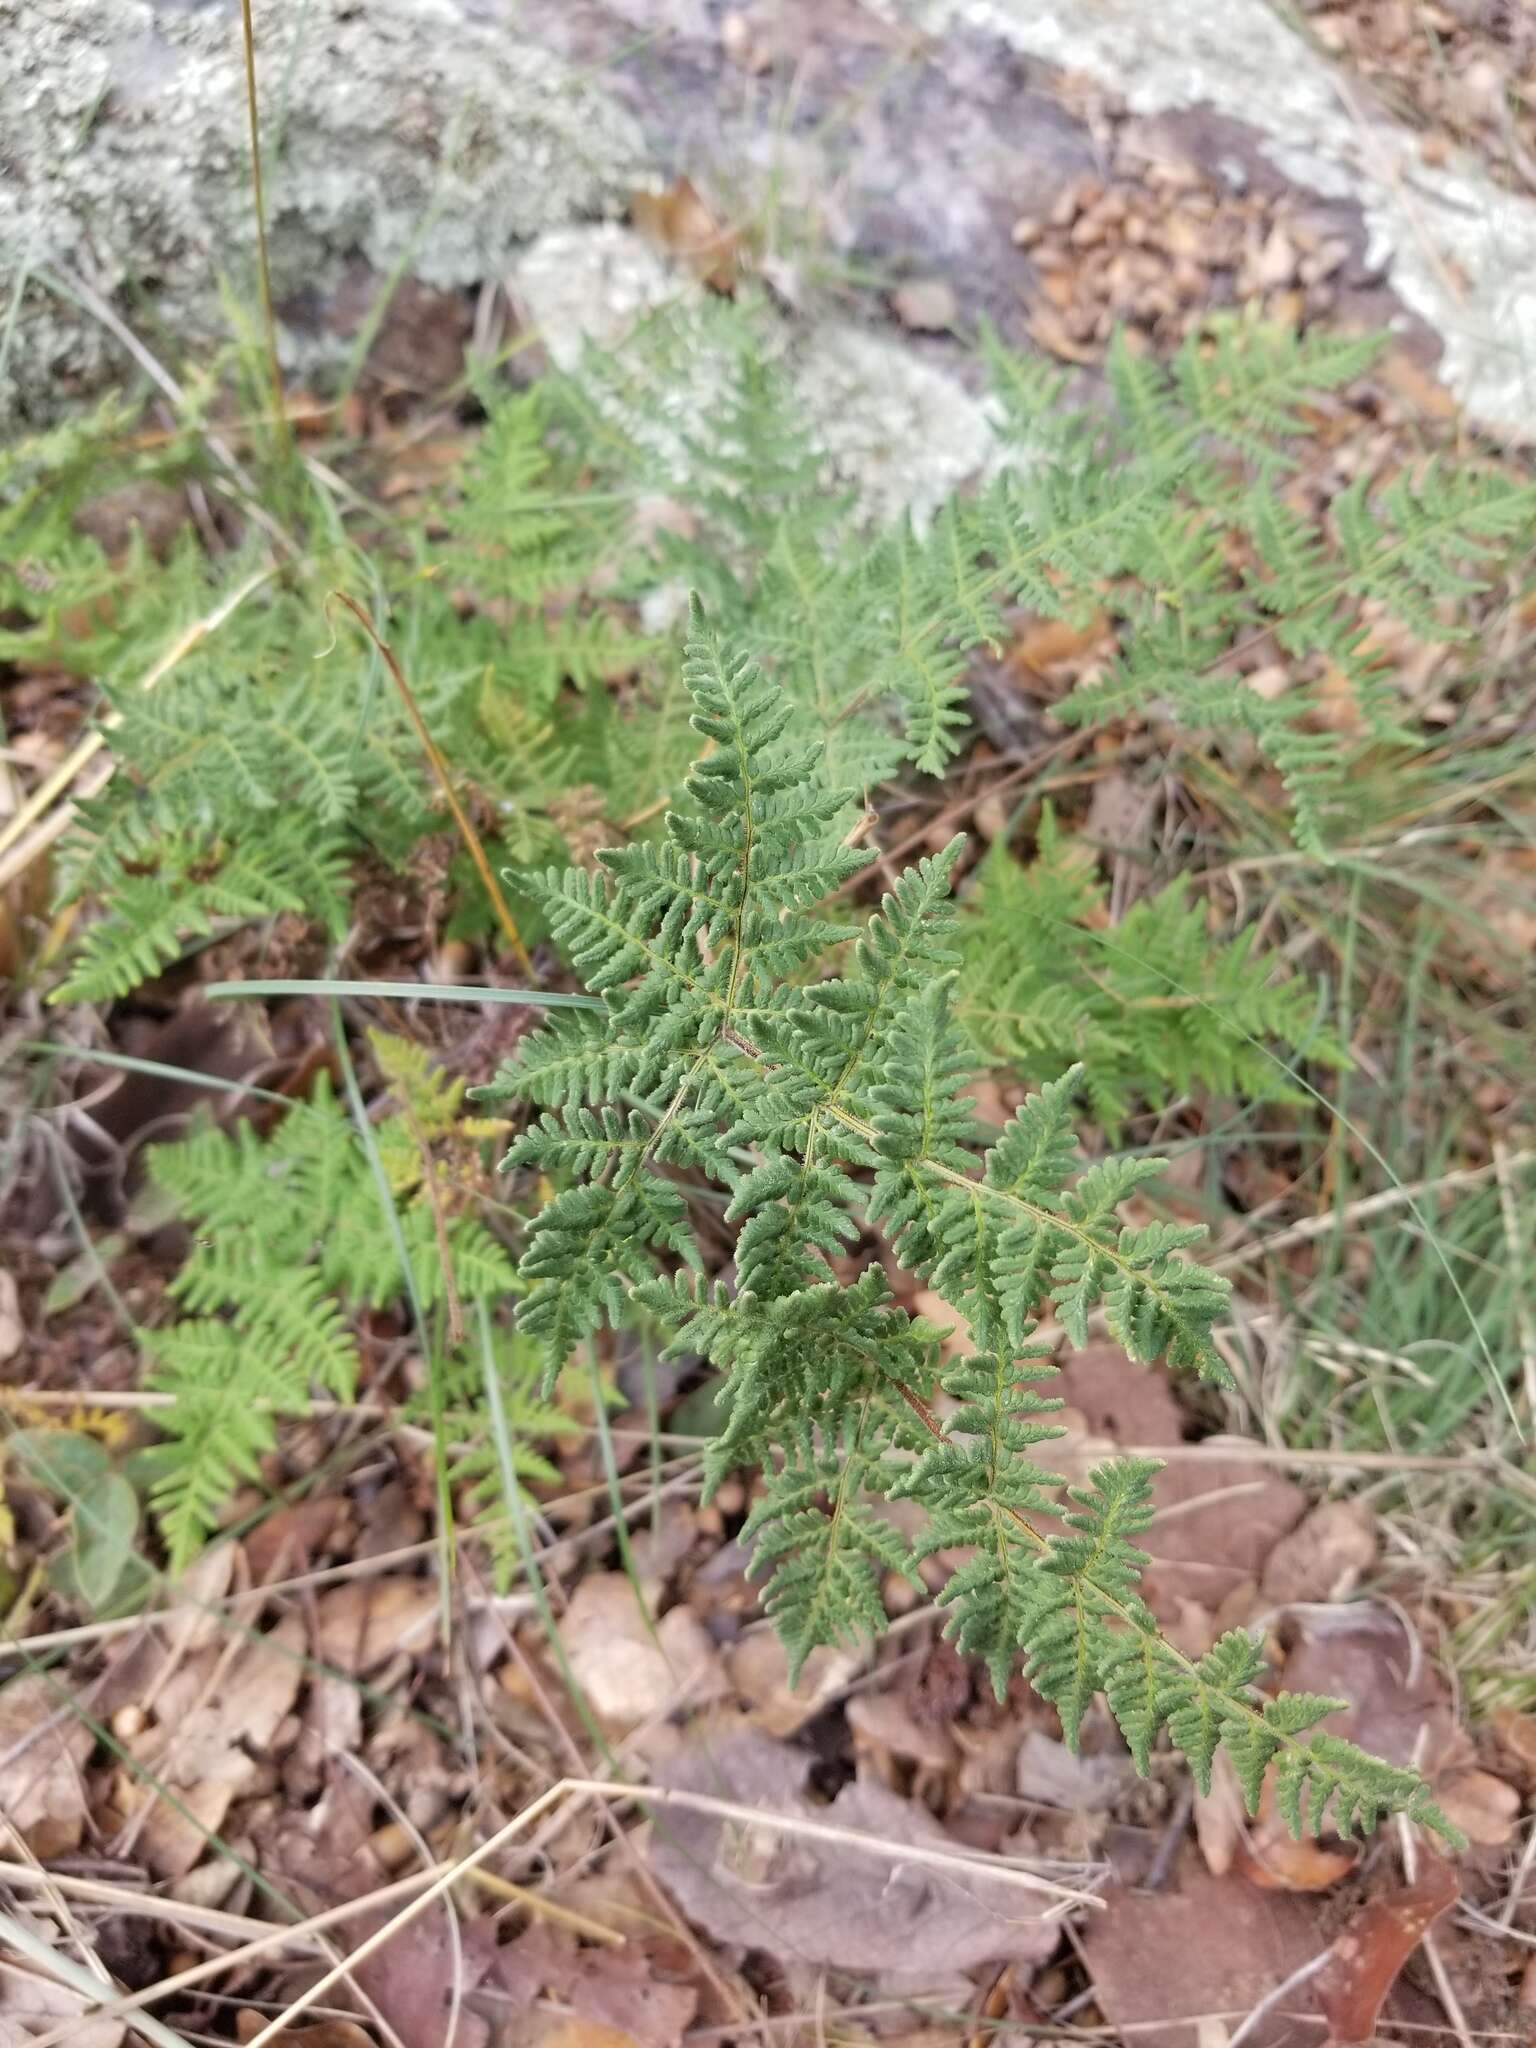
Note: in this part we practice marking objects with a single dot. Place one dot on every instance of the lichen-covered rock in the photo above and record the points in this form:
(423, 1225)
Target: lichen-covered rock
(407, 134)
(1457, 248)
(901, 432)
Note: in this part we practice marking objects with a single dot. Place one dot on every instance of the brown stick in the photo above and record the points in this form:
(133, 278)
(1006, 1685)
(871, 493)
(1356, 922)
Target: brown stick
(430, 748)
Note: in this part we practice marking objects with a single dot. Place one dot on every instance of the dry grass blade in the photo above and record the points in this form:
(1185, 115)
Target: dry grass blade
(971, 1861)
(259, 209)
(440, 769)
(17, 851)
(90, 1988)
(1369, 1205)
(434, 1890)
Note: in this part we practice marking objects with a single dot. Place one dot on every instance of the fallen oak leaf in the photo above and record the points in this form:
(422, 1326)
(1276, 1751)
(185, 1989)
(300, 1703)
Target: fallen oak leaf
(1364, 1962)
(616, 1992)
(1484, 1807)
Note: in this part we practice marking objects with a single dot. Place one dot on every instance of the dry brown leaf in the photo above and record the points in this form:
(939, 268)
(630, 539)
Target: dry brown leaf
(926, 305)
(359, 1624)
(1517, 1736)
(33, 2005)
(759, 1671)
(560, 2032)
(1272, 1859)
(1481, 1805)
(323, 1856)
(1399, 1708)
(1046, 326)
(630, 1668)
(933, 1308)
(328, 2034)
(195, 1620)
(1050, 1774)
(614, 1993)
(882, 1722)
(1505, 897)
(412, 1978)
(1325, 1556)
(1269, 682)
(1158, 1960)
(215, 1720)
(1117, 813)
(1056, 650)
(42, 1794)
(678, 221)
(1217, 1515)
(1220, 1816)
(814, 1902)
(1367, 1956)
(287, 1540)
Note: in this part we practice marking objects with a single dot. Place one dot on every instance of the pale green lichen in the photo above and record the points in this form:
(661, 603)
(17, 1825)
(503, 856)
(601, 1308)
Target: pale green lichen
(400, 133)
(899, 431)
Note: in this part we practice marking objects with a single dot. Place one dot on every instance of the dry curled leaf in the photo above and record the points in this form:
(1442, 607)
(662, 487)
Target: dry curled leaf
(679, 221)
(630, 1668)
(925, 304)
(809, 1900)
(1481, 1805)
(359, 1624)
(1363, 1963)
(44, 1744)
(1325, 1557)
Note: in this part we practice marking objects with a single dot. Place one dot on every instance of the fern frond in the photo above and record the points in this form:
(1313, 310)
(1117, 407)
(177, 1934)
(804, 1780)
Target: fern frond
(1153, 1000)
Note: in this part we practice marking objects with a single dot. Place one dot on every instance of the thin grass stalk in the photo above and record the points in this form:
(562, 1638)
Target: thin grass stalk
(259, 208)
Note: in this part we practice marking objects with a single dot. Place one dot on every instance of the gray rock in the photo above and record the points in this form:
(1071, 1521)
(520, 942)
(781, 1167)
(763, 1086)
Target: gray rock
(900, 431)
(1457, 248)
(417, 134)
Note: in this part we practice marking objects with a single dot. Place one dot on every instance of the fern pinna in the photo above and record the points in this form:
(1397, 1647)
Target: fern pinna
(1156, 1001)
(824, 1103)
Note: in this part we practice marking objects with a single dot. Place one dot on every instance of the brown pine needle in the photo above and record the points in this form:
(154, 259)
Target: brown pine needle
(430, 748)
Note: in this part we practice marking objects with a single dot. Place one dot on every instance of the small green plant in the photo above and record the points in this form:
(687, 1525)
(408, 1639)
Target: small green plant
(99, 1566)
(512, 596)
(292, 1237)
(828, 1105)
(1155, 1002)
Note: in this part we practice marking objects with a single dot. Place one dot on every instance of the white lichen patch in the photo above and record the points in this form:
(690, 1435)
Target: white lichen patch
(897, 431)
(404, 133)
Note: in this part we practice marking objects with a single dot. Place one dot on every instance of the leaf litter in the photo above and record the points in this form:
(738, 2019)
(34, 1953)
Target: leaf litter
(243, 1728)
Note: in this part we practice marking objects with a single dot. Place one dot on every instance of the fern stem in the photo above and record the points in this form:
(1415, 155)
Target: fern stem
(1100, 1247)
(430, 748)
